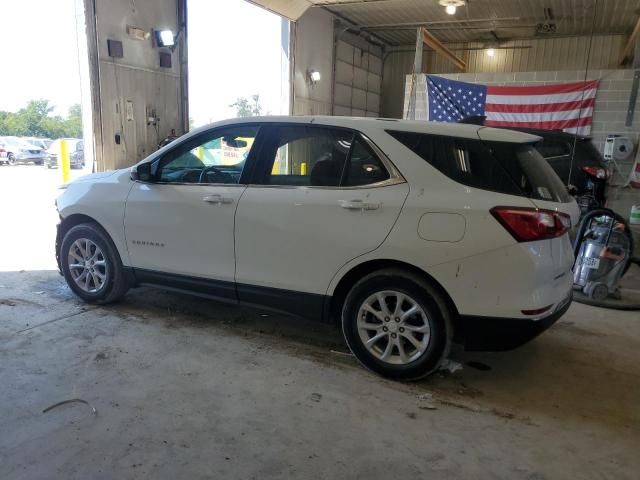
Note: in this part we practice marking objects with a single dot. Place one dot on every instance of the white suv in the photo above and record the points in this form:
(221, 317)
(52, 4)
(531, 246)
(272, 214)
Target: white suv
(411, 234)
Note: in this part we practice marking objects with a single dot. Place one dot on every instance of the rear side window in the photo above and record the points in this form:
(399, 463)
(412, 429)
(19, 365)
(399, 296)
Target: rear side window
(319, 157)
(468, 162)
(364, 166)
(511, 168)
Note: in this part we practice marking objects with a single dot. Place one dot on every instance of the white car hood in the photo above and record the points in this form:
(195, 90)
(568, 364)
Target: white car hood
(92, 177)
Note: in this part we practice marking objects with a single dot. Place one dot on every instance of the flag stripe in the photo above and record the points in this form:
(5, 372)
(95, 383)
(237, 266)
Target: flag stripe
(540, 116)
(542, 89)
(554, 125)
(541, 99)
(539, 107)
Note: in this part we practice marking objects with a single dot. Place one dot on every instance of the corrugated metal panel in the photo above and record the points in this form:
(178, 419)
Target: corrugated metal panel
(555, 54)
(572, 17)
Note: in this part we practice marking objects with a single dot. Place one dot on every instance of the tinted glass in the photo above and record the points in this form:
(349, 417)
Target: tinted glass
(216, 158)
(553, 148)
(511, 168)
(469, 162)
(534, 175)
(364, 167)
(588, 154)
(308, 156)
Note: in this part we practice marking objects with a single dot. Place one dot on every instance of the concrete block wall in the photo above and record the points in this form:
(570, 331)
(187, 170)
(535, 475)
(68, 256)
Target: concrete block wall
(610, 110)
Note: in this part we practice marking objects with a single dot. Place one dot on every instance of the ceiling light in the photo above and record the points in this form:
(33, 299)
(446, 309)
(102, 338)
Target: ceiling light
(165, 38)
(450, 6)
(491, 52)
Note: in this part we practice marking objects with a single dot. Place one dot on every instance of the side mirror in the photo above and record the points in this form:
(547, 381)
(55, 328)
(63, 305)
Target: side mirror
(573, 191)
(141, 173)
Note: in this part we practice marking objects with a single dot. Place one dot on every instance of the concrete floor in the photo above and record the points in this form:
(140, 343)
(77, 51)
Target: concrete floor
(187, 388)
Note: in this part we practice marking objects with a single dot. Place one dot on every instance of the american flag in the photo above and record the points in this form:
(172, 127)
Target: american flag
(566, 106)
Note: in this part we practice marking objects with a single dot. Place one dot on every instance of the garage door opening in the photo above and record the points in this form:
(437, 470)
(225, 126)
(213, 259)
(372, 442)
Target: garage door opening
(44, 99)
(238, 61)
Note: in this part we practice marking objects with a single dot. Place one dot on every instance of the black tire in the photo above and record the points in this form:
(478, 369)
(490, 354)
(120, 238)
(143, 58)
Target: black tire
(423, 294)
(116, 283)
(11, 159)
(37, 162)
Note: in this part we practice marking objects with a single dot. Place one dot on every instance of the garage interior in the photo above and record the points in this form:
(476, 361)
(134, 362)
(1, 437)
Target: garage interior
(187, 387)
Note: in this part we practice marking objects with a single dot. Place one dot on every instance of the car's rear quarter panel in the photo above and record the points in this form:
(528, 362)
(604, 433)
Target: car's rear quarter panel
(486, 272)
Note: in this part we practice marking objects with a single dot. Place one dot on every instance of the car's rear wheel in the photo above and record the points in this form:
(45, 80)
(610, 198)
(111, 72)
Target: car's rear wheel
(11, 159)
(396, 325)
(91, 265)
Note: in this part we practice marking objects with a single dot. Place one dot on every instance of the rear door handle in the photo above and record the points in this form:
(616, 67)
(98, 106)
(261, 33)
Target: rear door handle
(358, 204)
(217, 199)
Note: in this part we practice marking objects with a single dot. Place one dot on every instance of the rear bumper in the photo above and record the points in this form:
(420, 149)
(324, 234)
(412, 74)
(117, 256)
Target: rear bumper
(495, 334)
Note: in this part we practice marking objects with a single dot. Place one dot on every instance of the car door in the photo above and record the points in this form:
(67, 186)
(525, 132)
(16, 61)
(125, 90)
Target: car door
(320, 197)
(179, 226)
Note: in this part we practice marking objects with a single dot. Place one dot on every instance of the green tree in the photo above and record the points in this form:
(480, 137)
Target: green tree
(73, 123)
(34, 120)
(247, 108)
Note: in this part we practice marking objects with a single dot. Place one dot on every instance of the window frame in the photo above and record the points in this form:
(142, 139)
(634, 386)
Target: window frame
(205, 137)
(264, 162)
(557, 141)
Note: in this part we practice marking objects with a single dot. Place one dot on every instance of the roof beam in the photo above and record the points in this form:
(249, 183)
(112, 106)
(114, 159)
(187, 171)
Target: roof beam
(431, 41)
(629, 48)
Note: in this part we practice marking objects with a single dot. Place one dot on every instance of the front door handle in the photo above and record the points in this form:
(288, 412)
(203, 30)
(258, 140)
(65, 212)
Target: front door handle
(358, 204)
(217, 199)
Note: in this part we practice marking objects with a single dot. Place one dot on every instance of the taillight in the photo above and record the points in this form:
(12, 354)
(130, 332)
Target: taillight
(529, 224)
(595, 172)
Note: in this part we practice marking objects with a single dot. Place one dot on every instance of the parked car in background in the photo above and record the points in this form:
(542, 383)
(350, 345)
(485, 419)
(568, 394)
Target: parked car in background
(3, 152)
(19, 151)
(581, 168)
(76, 153)
(578, 163)
(43, 143)
(407, 234)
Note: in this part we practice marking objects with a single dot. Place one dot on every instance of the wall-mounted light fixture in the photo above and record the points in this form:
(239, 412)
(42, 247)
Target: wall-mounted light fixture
(450, 6)
(164, 38)
(314, 76)
(490, 52)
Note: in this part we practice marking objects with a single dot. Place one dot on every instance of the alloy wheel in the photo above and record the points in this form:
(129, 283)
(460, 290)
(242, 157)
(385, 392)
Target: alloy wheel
(393, 327)
(87, 265)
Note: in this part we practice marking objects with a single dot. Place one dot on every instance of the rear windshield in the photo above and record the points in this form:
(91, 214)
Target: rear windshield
(511, 168)
(588, 154)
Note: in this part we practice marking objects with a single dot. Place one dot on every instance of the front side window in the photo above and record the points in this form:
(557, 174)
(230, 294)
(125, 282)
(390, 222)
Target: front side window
(218, 157)
(320, 157)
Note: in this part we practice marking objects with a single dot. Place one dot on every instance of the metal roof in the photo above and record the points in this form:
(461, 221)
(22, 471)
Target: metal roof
(394, 21)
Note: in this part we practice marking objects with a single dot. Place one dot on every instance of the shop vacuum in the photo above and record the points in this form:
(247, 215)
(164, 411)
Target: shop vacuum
(603, 249)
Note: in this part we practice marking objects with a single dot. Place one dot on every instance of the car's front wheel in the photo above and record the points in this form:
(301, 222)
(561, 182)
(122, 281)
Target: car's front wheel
(91, 265)
(396, 325)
